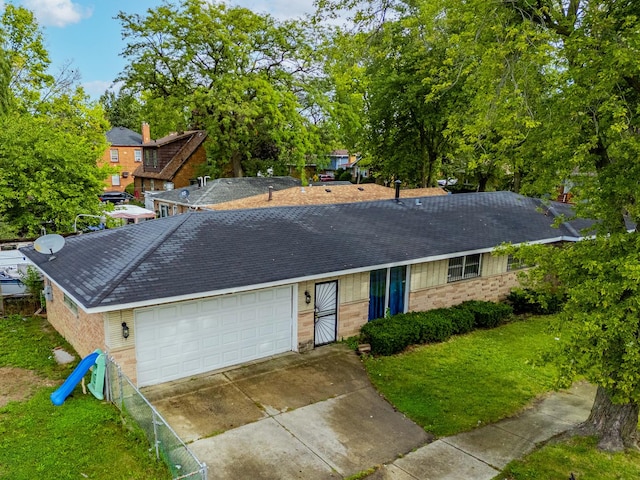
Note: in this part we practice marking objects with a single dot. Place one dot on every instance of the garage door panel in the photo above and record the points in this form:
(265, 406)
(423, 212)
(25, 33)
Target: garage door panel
(197, 336)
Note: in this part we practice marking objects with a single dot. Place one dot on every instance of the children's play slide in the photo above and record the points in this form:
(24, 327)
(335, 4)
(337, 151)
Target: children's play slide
(58, 397)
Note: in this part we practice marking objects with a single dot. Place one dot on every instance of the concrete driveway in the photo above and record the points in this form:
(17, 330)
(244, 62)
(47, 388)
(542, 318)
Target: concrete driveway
(311, 416)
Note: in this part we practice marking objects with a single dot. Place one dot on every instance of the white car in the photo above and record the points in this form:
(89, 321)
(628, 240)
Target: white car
(448, 181)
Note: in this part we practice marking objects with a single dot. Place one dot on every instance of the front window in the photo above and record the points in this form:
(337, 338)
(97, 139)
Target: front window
(114, 155)
(164, 211)
(461, 268)
(387, 291)
(115, 180)
(137, 155)
(514, 263)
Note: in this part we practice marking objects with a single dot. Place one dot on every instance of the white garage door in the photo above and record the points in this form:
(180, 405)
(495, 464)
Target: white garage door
(187, 338)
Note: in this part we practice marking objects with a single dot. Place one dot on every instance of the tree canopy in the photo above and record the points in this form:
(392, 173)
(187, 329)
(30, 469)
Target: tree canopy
(51, 136)
(543, 93)
(246, 78)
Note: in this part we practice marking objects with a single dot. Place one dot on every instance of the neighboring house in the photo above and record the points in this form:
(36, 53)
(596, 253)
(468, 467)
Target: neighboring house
(326, 193)
(206, 290)
(212, 192)
(169, 162)
(124, 152)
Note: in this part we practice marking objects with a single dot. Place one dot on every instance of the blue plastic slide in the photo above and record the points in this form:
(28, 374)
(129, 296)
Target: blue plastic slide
(58, 397)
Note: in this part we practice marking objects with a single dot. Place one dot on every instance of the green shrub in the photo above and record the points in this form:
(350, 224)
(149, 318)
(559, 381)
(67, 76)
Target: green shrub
(434, 326)
(389, 335)
(393, 334)
(463, 320)
(525, 300)
(487, 314)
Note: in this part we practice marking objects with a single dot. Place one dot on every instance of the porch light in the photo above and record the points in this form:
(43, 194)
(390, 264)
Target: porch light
(307, 297)
(125, 330)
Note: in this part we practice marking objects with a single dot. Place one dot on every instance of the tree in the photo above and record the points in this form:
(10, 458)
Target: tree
(51, 136)
(122, 109)
(48, 166)
(245, 78)
(552, 93)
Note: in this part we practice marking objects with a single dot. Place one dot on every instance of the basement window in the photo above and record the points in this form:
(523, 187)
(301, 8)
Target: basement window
(461, 268)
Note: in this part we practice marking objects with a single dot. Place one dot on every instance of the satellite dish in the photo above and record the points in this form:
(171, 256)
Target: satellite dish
(49, 244)
(184, 194)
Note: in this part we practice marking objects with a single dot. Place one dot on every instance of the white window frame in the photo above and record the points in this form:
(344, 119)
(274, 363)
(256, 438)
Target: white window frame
(115, 180)
(70, 304)
(164, 210)
(137, 155)
(466, 262)
(115, 155)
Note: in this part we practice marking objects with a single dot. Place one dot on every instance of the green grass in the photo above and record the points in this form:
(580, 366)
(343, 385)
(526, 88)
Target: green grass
(578, 456)
(470, 380)
(29, 343)
(83, 438)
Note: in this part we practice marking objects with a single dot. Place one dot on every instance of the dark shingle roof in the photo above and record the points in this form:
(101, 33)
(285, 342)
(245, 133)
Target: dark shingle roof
(198, 253)
(223, 190)
(123, 137)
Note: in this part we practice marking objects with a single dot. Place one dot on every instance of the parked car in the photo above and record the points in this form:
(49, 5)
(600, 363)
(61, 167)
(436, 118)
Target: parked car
(325, 178)
(115, 197)
(447, 181)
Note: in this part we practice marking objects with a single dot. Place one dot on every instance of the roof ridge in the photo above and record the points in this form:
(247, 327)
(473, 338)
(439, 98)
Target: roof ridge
(134, 265)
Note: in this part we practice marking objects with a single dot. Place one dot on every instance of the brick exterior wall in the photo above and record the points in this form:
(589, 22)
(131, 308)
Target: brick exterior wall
(352, 316)
(493, 288)
(85, 332)
(126, 163)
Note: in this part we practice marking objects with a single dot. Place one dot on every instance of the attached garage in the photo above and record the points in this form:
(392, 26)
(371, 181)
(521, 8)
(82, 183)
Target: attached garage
(186, 338)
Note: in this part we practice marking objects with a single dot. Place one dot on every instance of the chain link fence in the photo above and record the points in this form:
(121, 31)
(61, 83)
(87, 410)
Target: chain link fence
(169, 448)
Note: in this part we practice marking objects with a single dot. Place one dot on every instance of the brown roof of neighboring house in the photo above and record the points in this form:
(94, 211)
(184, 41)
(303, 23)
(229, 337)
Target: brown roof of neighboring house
(320, 194)
(179, 159)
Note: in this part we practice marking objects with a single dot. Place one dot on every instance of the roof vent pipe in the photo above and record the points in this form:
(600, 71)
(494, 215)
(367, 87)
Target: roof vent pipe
(204, 179)
(398, 182)
(270, 193)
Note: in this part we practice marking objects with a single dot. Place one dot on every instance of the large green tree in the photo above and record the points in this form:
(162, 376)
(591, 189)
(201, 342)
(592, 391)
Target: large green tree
(51, 136)
(552, 95)
(246, 78)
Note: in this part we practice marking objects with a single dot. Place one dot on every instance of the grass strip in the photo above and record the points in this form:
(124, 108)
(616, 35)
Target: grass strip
(577, 455)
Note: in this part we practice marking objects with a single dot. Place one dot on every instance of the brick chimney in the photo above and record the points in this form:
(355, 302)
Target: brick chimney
(146, 133)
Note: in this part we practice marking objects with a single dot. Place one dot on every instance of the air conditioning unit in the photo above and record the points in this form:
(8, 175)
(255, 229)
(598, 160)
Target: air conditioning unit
(125, 174)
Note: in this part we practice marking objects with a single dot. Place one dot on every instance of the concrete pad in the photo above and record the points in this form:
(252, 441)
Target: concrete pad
(534, 426)
(62, 356)
(441, 461)
(572, 406)
(492, 445)
(390, 472)
(260, 450)
(208, 411)
(354, 431)
(301, 384)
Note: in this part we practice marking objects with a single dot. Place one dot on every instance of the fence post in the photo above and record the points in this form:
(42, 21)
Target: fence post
(121, 389)
(155, 432)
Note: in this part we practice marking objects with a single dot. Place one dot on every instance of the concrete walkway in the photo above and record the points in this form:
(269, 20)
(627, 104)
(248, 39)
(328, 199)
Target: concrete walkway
(482, 453)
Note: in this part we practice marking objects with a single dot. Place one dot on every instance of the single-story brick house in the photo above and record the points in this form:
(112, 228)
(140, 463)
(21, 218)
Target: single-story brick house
(205, 290)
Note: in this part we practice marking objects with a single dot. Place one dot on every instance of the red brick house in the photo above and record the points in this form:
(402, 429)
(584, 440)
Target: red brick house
(169, 162)
(125, 153)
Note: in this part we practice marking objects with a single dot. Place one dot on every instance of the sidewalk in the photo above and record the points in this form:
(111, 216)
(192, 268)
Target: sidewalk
(482, 453)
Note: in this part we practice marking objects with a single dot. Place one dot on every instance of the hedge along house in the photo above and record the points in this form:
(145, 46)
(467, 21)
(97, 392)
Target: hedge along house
(201, 291)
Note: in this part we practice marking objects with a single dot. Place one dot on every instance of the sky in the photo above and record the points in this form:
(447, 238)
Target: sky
(85, 32)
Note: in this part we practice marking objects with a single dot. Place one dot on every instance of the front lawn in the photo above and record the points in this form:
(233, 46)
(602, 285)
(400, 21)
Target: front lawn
(578, 456)
(470, 380)
(83, 438)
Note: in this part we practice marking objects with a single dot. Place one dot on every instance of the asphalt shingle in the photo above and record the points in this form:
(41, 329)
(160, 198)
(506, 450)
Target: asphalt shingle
(202, 252)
